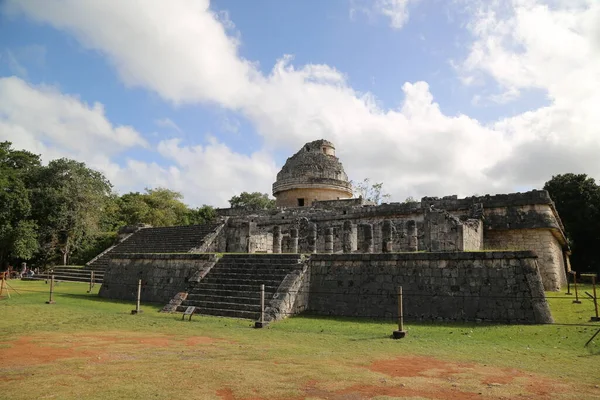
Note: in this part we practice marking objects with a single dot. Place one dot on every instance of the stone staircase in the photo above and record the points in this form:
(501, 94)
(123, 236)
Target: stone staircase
(170, 239)
(232, 287)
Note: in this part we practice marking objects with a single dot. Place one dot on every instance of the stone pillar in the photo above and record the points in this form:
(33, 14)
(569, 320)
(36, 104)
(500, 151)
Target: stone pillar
(349, 238)
(367, 244)
(277, 239)
(411, 232)
(387, 236)
(329, 240)
(312, 238)
(294, 240)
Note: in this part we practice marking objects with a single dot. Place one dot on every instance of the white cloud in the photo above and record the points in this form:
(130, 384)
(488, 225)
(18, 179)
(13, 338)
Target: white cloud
(395, 10)
(168, 123)
(45, 121)
(42, 114)
(181, 51)
(549, 46)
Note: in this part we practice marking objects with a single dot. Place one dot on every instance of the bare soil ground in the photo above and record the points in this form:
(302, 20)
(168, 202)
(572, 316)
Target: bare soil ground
(412, 377)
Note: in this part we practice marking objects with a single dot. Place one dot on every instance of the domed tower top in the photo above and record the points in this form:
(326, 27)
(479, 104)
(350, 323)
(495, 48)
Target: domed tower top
(313, 173)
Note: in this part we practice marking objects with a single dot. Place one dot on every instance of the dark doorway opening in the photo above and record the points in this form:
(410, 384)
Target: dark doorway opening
(300, 202)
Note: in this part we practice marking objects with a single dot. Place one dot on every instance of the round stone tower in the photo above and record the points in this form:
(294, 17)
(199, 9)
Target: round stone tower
(313, 173)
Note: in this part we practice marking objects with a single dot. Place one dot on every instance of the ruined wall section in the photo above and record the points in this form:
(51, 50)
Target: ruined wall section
(542, 242)
(488, 286)
(162, 275)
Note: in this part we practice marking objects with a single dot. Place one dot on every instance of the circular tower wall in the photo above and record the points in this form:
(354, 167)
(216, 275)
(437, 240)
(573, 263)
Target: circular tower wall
(313, 173)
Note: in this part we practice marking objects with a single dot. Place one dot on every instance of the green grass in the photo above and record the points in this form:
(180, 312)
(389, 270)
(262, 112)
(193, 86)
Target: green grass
(112, 361)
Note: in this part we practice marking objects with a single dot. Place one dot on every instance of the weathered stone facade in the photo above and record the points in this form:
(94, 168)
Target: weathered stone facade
(162, 275)
(433, 224)
(486, 286)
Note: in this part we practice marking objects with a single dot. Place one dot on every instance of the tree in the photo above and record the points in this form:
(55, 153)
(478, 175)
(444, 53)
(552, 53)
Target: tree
(68, 199)
(156, 207)
(201, 215)
(370, 192)
(577, 200)
(252, 201)
(18, 237)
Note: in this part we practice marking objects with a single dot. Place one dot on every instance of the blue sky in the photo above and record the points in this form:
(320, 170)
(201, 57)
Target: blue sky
(431, 97)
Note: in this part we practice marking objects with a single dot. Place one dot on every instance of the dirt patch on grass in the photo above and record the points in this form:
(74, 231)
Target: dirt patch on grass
(431, 378)
(29, 350)
(25, 352)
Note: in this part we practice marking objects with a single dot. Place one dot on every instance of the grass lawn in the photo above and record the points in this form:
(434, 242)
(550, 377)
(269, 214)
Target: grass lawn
(84, 347)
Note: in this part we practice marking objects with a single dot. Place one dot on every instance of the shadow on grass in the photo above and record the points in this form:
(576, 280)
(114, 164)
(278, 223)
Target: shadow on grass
(96, 298)
(393, 321)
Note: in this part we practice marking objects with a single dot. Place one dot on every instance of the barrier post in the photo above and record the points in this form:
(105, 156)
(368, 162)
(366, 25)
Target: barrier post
(261, 322)
(400, 333)
(139, 294)
(51, 301)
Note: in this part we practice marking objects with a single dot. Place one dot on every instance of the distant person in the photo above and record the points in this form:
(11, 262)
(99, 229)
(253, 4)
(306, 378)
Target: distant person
(23, 271)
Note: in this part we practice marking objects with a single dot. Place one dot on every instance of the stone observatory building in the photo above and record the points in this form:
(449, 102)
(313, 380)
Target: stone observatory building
(478, 258)
(312, 174)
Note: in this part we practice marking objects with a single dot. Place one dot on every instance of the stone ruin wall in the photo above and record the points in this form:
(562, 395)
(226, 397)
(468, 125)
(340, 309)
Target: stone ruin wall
(487, 286)
(530, 213)
(548, 249)
(162, 275)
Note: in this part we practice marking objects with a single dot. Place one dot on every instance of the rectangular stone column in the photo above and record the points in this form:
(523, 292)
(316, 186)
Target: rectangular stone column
(411, 232)
(387, 236)
(349, 237)
(367, 244)
(312, 238)
(329, 240)
(277, 239)
(294, 240)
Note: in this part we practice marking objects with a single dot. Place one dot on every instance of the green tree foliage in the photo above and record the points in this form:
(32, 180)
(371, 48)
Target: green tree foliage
(68, 199)
(160, 207)
(370, 191)
(252, 201)
(66, 211)
(18, 238)
(202, 215)
(577, 200)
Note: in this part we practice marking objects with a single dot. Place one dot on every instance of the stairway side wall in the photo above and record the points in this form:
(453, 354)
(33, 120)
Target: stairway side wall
(489, 286)
(162, 275)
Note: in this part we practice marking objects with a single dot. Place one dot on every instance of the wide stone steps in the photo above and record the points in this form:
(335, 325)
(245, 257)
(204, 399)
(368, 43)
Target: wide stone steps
(235, 288)
(279, 274)
(225, 312)
(172, 239)
(254, 293)
(241, 298)
(237, 282)
(223, 305)
(232, 287)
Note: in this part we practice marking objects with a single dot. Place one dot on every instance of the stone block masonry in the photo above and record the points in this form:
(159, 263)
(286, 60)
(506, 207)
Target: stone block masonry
(551, 258)
(459, 286)
(162, 275)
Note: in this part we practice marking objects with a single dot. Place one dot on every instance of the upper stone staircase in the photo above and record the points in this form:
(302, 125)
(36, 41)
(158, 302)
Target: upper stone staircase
(170, 239)
(232, 287)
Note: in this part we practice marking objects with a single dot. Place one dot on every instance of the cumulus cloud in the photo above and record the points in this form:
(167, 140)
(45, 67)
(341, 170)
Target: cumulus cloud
(48, 122)
(182, 51)
(395, 10)
(41, 114)
(550, 46)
